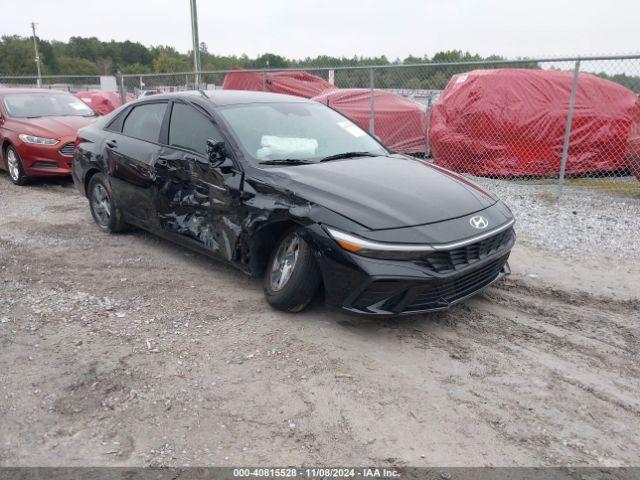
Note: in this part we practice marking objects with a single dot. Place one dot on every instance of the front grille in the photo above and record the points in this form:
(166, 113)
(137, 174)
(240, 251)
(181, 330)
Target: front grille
(398, 296)
(67, 149)
(457, 258)
(443, 293)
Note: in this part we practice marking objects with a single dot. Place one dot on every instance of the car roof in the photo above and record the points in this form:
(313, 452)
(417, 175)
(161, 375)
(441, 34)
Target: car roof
(231, 97)
(8, 90)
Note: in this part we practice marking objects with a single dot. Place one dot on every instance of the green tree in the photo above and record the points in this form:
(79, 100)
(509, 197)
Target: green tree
(17, 56)
(165, 62)
(77, 66)
(269, 60)
(91, 56)
(413, 83)
(136, 68)
(104, 66)
(87, 48)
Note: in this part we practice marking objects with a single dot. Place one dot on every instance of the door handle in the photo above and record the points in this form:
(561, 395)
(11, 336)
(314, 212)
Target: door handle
(112, 143)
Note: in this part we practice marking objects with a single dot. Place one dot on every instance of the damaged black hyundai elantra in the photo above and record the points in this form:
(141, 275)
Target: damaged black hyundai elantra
(288, 189)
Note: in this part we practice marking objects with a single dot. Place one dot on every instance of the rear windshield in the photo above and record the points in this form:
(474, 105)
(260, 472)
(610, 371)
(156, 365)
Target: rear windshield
(30, 105)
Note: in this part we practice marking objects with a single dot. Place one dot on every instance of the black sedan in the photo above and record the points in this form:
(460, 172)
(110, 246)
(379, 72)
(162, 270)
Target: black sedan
(288, 189)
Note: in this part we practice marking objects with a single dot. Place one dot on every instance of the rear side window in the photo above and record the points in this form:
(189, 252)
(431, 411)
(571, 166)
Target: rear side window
(144, 121)
(190, 129)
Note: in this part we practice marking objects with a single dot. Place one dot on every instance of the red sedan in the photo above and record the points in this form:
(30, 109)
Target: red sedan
(38, 130)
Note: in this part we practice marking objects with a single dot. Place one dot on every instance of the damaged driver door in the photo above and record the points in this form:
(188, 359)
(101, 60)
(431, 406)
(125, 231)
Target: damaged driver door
(197, 198)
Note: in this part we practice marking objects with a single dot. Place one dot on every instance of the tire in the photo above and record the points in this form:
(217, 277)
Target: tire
(292, 278)
(14, 167)
(104, 211)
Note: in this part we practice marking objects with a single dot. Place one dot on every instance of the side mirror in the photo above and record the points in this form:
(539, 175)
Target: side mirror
(218, 156)
(226, 165)
(216, 151)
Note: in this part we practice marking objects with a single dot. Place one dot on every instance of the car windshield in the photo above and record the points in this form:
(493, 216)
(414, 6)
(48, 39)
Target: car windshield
(27, 105)
(305, 132)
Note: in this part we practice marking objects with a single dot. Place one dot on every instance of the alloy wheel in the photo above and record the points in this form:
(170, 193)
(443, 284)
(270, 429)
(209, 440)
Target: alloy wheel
(101, 205)
(284, 262)
(12, 164)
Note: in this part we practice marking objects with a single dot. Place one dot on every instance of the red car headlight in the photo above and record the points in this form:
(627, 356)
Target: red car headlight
(37, 140)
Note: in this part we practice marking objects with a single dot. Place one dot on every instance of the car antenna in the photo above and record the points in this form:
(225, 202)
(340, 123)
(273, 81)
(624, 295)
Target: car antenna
(202, 93)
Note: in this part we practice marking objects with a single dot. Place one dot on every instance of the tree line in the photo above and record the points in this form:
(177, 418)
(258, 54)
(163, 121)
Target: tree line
(91, 56)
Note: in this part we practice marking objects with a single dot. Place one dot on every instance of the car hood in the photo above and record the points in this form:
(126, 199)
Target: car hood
(50, 127)
(386, 192)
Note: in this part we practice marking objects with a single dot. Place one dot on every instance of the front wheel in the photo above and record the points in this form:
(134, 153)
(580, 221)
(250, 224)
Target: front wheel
(14, 166)
(292, 277)
(103, 210)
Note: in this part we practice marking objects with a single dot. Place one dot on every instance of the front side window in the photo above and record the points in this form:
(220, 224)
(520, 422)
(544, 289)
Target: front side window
(300, 131)
(190, 129)
(46, 104)
(144, 121)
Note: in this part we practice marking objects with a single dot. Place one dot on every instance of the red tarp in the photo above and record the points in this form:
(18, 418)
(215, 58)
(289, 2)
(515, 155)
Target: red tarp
(101, 102)
(511, 122)
(300, 84)
(633, 146)
(400, 124)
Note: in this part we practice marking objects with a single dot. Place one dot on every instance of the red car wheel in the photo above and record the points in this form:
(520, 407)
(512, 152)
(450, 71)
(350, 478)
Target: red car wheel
(14, 167)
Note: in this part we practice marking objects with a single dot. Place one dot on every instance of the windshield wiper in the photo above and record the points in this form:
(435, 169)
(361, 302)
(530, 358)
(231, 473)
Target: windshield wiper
(286, 161)
(339, 156)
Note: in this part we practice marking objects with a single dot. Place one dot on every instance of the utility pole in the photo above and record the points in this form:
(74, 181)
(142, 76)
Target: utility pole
(35, 46)
(196, 42)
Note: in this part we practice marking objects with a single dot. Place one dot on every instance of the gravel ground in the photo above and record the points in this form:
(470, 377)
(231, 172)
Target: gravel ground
(582, 221)
(128, 350)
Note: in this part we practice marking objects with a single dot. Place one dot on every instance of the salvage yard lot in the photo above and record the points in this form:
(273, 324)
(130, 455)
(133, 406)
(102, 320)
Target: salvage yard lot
(128, 350)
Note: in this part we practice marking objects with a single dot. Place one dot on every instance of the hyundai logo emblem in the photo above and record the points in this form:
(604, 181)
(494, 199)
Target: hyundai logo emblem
(479, 222)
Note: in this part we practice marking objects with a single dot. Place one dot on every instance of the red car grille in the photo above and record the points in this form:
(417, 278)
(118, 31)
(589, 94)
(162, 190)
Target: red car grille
(67, 149)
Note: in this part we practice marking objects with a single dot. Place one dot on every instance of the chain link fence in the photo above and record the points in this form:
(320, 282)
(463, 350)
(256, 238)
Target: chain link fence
(68, 83)
(554, 121)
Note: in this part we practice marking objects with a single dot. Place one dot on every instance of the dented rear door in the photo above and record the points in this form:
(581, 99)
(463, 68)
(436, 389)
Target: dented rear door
(130, 157)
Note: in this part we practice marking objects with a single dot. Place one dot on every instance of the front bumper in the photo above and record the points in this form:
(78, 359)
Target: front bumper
(47, 160)
(376, 287)
(407, 296)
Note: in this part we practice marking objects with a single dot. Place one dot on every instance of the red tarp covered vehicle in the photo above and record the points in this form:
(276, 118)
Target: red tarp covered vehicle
(300, 84)
(101, 102)
(401, 124)
(511, 122)
(633, 146)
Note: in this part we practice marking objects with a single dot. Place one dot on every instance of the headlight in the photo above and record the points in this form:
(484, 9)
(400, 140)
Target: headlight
(368, 248)
(38, 140)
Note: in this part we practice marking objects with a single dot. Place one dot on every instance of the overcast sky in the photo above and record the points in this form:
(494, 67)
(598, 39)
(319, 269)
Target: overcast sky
(300, 28)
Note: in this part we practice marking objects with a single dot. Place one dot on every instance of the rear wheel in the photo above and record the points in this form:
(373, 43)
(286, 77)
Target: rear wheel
(14, 167)
(103, 210)
(292, 277)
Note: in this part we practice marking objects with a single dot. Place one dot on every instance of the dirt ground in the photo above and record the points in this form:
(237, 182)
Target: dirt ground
(129, 350)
